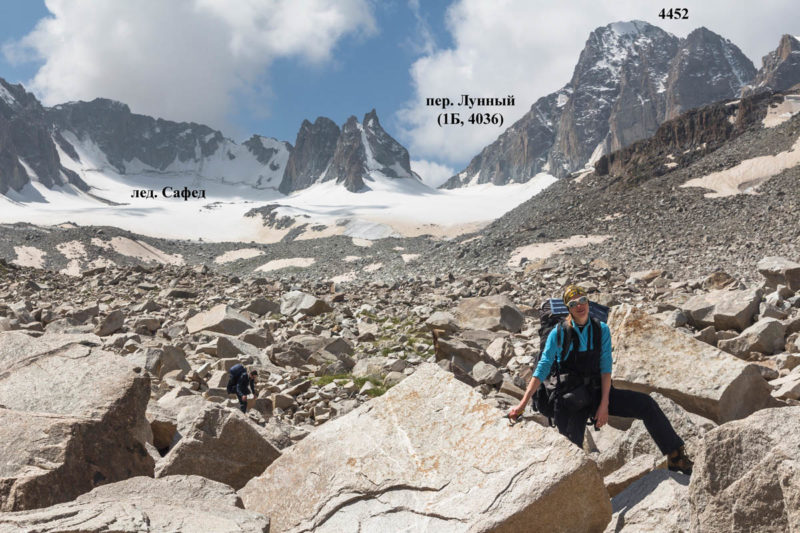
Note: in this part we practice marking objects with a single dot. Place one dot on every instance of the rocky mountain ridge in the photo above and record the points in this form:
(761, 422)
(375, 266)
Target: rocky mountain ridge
(36, 143)
(629, 79)
(26, 145)
(781, 67)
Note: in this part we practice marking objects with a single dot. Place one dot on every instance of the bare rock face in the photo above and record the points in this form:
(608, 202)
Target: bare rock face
(520, 152)
(190, 504)
(431, 455)
(492, 313)
(349, 156)
(72, 419)
(708, 68)
(781, 68)
(747, 475)
(312, 152)
(657, 502)
(630, 78)
(652, 357)
(219, 444)
(123, 136)
(221, 319)
(25, 136)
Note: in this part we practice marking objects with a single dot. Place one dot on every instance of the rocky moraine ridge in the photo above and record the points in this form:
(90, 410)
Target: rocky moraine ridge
(123, 369)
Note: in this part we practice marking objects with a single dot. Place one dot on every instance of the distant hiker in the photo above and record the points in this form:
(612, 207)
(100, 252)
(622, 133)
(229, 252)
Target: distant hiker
(242, 383)
(583, 390)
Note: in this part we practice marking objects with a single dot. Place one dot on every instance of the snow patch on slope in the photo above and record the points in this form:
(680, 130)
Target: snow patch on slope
(747, 175)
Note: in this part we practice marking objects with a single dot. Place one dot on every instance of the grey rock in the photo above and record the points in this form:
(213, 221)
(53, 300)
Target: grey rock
(219, 444)
(221, 319)
(111, 323)
(313, 151)
(433, 477)
(486, 373)
(261, 306)
(720, 386)
(300, 302)
(630, 78)
(765, 336)
(64, 431)
(190, 504)
(491, 313)
(442, 321)
(26, 134)
(659, 501)
(393, 378)
(746, 475)
(370, 367)
(780, 271)
(723, 309)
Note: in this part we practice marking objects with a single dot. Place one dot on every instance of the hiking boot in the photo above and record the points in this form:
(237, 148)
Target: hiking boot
(678, 461)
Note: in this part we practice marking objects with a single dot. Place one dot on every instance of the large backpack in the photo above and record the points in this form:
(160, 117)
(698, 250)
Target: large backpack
(553, 314)
(234, 374)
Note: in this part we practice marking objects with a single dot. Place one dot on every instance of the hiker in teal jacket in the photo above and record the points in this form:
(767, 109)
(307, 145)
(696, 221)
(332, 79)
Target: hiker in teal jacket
(585, 374)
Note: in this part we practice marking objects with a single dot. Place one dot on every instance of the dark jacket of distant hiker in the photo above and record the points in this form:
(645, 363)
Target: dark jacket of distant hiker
(241, 384)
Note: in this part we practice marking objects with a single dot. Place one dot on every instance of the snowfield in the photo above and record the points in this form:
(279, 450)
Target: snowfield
(389, 207)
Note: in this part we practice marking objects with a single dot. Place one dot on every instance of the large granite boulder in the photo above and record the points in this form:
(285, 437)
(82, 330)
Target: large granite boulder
(652, 357)
(765, 336)
(656, 503)
(73, 418)
(189, 504)
(163, 415)
(295, 302)
(217, 443)
(780, 271)
(723, 309)
(159, 361)
(430, 455)
(496, 312)
(747, 475)
(221, 318)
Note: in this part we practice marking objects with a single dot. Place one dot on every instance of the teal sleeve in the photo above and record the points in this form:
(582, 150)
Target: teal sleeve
(548, 355)
(605, 355)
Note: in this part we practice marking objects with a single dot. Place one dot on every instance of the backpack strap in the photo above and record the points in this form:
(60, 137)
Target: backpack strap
(597, 334)
(567, 338)
(566, 334)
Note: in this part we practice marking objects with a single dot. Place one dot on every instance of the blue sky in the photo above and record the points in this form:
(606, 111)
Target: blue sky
(263, 66)
(366, 72)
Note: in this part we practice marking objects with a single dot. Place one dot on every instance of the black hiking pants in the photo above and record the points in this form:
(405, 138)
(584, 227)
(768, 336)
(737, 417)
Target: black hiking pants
(242, 403)
(627, 403)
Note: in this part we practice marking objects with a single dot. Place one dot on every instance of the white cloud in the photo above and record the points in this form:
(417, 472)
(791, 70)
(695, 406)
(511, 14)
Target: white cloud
(432, 174)
(181, 59)
(529, 49)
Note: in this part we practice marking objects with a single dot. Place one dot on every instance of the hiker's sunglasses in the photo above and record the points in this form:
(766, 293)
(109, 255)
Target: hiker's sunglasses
(578, 301)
